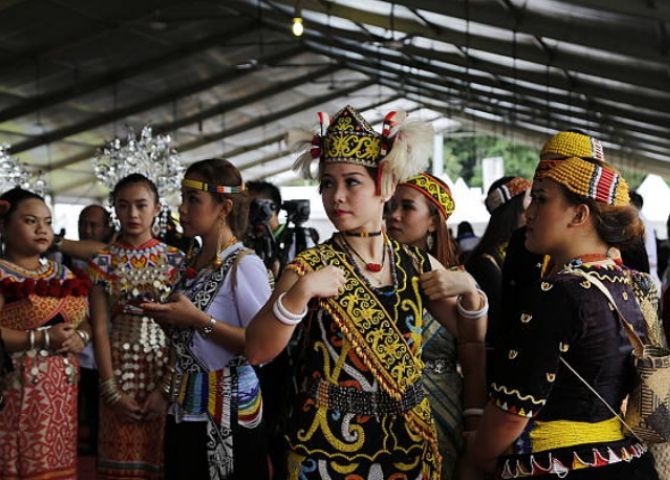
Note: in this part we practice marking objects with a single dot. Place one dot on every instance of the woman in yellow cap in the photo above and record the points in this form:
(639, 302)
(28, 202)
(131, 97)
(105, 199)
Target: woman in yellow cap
(417, 216)
(543, 420)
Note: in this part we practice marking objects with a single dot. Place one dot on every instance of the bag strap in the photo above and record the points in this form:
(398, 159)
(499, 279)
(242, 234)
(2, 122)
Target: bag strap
(632, 335)
(595, 392)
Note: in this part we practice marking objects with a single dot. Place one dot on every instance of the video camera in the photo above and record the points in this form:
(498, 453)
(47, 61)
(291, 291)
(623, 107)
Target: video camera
(259, 236)
(297, 211)
(261, 211)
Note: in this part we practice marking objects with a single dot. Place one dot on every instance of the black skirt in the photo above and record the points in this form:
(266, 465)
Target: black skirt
(186, 452)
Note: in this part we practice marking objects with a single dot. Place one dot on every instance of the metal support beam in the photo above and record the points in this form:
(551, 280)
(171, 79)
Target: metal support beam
(640, 8)
(579, 31)
(271, 117)
(258, 122)
(584, 63)
(601, 90)
(494, 101)
(343, 38)
(514, 93)
(91, 29)
(97, 82)
(241, 149)
(554, 120)
(166, 97)
(217, 109)
(622, 156)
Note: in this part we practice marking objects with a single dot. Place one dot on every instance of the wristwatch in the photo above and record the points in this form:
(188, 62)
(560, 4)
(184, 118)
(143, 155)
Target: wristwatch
(209, 328)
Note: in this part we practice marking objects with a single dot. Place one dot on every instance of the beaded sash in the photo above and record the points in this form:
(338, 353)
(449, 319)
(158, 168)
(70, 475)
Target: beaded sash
(234, 388)
(376, 338)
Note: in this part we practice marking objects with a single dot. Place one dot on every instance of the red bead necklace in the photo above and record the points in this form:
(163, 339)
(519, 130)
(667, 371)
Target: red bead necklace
(593, 257)
(370, 266)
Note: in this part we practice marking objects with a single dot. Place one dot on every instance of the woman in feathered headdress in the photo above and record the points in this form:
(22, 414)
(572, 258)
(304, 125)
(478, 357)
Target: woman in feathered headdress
(362, 408)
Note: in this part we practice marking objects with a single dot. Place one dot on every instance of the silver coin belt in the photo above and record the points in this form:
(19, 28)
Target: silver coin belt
(36, 364)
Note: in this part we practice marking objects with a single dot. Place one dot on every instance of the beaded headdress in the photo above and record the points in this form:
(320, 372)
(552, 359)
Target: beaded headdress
(398, 152)
(506, 192)
(565, 145)
(591, 179)
(435, 190)
(206, 187)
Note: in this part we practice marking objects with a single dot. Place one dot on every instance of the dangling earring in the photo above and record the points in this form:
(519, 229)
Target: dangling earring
(217, 262)
(156, 228)
(430, 240)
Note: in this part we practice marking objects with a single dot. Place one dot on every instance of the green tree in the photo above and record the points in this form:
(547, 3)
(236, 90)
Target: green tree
(463, 156)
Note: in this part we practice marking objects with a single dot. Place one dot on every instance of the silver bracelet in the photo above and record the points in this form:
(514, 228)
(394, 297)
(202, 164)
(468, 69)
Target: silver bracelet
(47, 340)
(85, 337)
(473, 412)
(285, 316)
(473, 314)
(209, 328)
(31, 339)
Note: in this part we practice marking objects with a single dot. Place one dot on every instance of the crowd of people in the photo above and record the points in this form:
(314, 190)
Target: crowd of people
(411, 354)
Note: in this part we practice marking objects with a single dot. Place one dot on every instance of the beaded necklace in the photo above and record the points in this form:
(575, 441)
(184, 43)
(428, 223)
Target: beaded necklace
(371, 266)
(593, 258)
(363, 234)
(216, 262)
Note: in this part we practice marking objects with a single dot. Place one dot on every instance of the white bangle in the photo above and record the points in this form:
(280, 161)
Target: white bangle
(285, 316)
(31, 339)
(473, 412)
(473, 314)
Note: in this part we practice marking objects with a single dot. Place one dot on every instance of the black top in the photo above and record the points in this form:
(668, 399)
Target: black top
(569, 317)
(486, 269)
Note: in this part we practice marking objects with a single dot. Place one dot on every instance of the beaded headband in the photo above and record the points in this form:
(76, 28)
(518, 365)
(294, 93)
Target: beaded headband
(591, 180)
(205, 187)
(565, 145)
(506, 192)
(434, 190)
(400, 151)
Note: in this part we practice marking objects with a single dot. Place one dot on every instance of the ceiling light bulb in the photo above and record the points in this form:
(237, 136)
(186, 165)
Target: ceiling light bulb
(297, 28)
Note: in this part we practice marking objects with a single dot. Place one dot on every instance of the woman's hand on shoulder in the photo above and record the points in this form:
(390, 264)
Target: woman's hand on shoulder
(441, 283)
(179, 312)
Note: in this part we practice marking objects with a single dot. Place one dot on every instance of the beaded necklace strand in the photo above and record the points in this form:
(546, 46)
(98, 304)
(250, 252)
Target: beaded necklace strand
(371, 266)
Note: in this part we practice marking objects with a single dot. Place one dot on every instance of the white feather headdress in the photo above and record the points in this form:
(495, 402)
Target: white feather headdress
(399, 152)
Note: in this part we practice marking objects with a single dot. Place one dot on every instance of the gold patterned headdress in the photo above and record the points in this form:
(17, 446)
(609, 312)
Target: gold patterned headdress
(506, 192)
(435, 190)
(565, 145)
(591, 179)
(398, 152)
